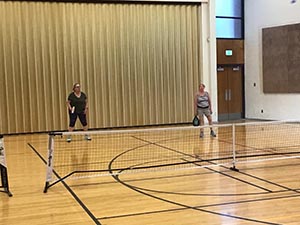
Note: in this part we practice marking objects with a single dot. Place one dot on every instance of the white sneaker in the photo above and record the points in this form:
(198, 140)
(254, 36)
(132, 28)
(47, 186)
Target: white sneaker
(87, 137)
(69, 139)
(201, 134)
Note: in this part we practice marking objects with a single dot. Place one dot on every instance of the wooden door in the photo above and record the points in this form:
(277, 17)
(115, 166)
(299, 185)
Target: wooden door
(230, 93)
(222, 91)
(235, 92)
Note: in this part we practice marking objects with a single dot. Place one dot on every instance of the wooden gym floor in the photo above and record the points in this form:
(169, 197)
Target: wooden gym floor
(261, 193)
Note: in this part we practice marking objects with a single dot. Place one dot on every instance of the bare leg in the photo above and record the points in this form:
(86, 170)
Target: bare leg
(212, 133)
(209, 119)
(201, 124)
(85, 128)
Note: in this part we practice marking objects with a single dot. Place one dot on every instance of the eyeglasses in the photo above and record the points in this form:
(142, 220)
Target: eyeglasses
(77, 86)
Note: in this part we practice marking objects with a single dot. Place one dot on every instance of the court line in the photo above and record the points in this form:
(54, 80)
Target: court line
(182, 175)
(168, 148)
(256, 177)
(116, 177)
(85, 208)
(203, 206)
(189, 155)
(224, 174)
(269, 182)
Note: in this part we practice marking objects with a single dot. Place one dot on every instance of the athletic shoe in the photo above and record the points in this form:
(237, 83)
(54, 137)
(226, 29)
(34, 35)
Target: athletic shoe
(87, 137)
(69, 139)
(201, 134)
(212, 133)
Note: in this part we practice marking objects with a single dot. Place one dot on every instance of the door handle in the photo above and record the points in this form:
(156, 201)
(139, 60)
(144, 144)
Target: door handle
(229, 94)
(226, 95)
(220, 69)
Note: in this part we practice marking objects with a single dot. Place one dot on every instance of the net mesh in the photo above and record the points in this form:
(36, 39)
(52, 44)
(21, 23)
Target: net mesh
(135, 150)
(129, 151)
(267, 141)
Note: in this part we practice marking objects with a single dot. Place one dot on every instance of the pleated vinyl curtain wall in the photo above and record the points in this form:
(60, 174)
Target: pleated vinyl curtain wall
(139, 64)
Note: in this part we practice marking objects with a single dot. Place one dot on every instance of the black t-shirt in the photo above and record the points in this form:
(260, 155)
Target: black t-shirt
(78, 102)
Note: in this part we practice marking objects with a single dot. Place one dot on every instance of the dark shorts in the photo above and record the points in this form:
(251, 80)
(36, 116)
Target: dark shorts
(73, 118)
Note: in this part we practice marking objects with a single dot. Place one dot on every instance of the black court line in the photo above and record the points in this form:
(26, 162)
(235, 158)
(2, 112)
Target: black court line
(198, 207)
(272, 150)
(69, 189)
(189, 194)
(183, 175)
(233, 177)
(159, 145)
(116, 177)
(268, 181)
(259, 178)
(215, 195)
(252, 176)
(162, 146)
(195, 163)
(249, 175)
(182, 205)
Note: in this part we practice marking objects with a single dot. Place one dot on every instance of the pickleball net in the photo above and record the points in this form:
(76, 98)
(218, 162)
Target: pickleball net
(114, 152)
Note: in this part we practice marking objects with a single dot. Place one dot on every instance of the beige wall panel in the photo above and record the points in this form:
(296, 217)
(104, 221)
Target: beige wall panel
(139, 64)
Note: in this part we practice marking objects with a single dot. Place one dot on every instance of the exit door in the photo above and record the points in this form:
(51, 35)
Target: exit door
(230, 93)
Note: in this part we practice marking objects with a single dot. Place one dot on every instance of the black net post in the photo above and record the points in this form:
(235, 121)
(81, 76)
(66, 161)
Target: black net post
(3, 169)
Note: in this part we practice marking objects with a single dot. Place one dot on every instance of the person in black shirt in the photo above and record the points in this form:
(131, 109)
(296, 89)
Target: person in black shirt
(77, 107)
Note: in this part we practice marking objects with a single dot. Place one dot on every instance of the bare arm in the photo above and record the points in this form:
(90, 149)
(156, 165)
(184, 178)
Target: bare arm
(195, 104)
(69, 105)
(86, 106)
(209, 103)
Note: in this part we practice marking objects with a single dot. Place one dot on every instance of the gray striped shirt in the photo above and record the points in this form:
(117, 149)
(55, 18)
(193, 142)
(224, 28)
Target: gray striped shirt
(202, 101)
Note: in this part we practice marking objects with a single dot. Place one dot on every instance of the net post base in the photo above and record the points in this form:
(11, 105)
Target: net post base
(46, 187)
(4, 180)
(5, 187)
(233, 168)
(7, 192)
